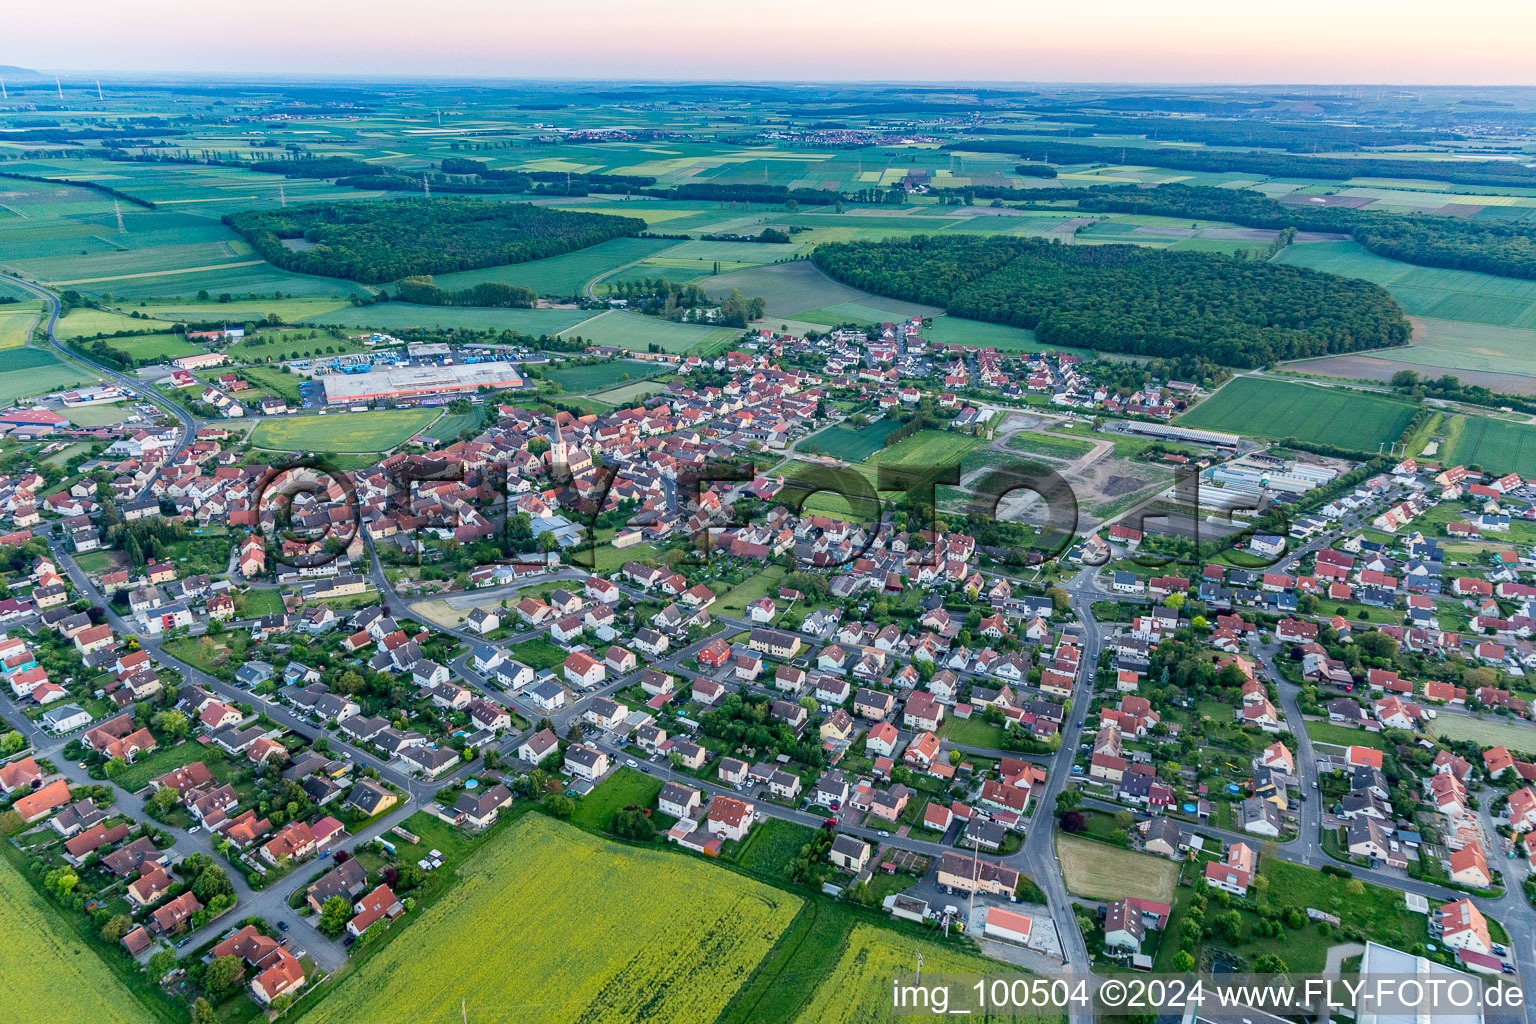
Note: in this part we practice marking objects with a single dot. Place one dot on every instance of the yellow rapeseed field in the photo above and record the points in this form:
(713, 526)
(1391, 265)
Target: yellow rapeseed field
(47, 973)
(551, 924)
(857, 990)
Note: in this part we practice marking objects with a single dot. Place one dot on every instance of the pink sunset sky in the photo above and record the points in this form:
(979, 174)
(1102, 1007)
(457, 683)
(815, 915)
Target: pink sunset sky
(1482, 42)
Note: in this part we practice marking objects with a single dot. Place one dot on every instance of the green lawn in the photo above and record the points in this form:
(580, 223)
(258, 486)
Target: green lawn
(598, 376)
(1344, 736)
(538, 654)
(624, 788)
(973, 732)
(137, 775)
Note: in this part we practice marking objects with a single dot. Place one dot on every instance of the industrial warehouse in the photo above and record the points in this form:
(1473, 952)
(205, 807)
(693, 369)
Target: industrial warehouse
(418, 383)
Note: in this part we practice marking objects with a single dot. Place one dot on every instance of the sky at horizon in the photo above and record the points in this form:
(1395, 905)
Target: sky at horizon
(1487, 42)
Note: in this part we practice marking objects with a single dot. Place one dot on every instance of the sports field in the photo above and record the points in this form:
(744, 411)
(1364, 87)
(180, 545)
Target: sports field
(32, 371)
(637, 333)
(1261, 407)
(49, 973)
(1103, 872)
(365, 432)
(1426, 291)
(1498, 446)
(569, 927)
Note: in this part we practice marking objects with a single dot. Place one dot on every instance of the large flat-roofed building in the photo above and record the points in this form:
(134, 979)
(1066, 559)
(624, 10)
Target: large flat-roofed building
(415, 383)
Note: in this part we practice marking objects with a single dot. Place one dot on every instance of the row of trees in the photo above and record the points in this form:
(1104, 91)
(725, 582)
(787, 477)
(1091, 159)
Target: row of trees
(1278, 165)
(1130, 299)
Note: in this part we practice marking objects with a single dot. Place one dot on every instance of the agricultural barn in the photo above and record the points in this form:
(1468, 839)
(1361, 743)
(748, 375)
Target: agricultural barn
(406, 383)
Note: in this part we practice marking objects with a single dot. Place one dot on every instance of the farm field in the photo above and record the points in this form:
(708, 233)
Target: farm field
(633, 392)
(32, 371)
(854, 312)
(81, 323)
(676, 948)
(1426, 291)
(1497, 445)
(1104, 872)
(925, 450)
(858, 987)
(154, 348)
(851, 444)
(16, 323)
(956, 330)
(367, 432)
(562, 275)
(50, 973)
(638, 333)
(273, 379)
(1519, 738)
(1262, 407)
(789, 288)
(577, 379)
(389, 316)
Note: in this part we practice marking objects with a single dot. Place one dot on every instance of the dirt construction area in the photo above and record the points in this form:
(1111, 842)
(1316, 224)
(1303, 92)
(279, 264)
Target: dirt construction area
(1105, 484)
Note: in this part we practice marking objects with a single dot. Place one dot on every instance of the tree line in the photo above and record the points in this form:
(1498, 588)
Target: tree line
(1279, 165)
(1131, 299)
(378, 242)
(1503, 247)
(423, 292)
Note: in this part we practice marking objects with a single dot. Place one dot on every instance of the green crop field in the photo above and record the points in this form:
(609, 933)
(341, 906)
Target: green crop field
(788, 288)
(1488, 732)
(851, 444)
(562, 275)
(81, 323)
(154, 348)
(1260, 407)
(1499, 446)
(50, 974)
(633, 392)
(32, 371)
(273, 379)
(16, 323)
(857, 988)
(707, 252)
(367, 432)
(956, 330)
(577, 379)
(389, 316)
(1426, 291)
(608, 934)
(637, 333)
(1461, 345)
